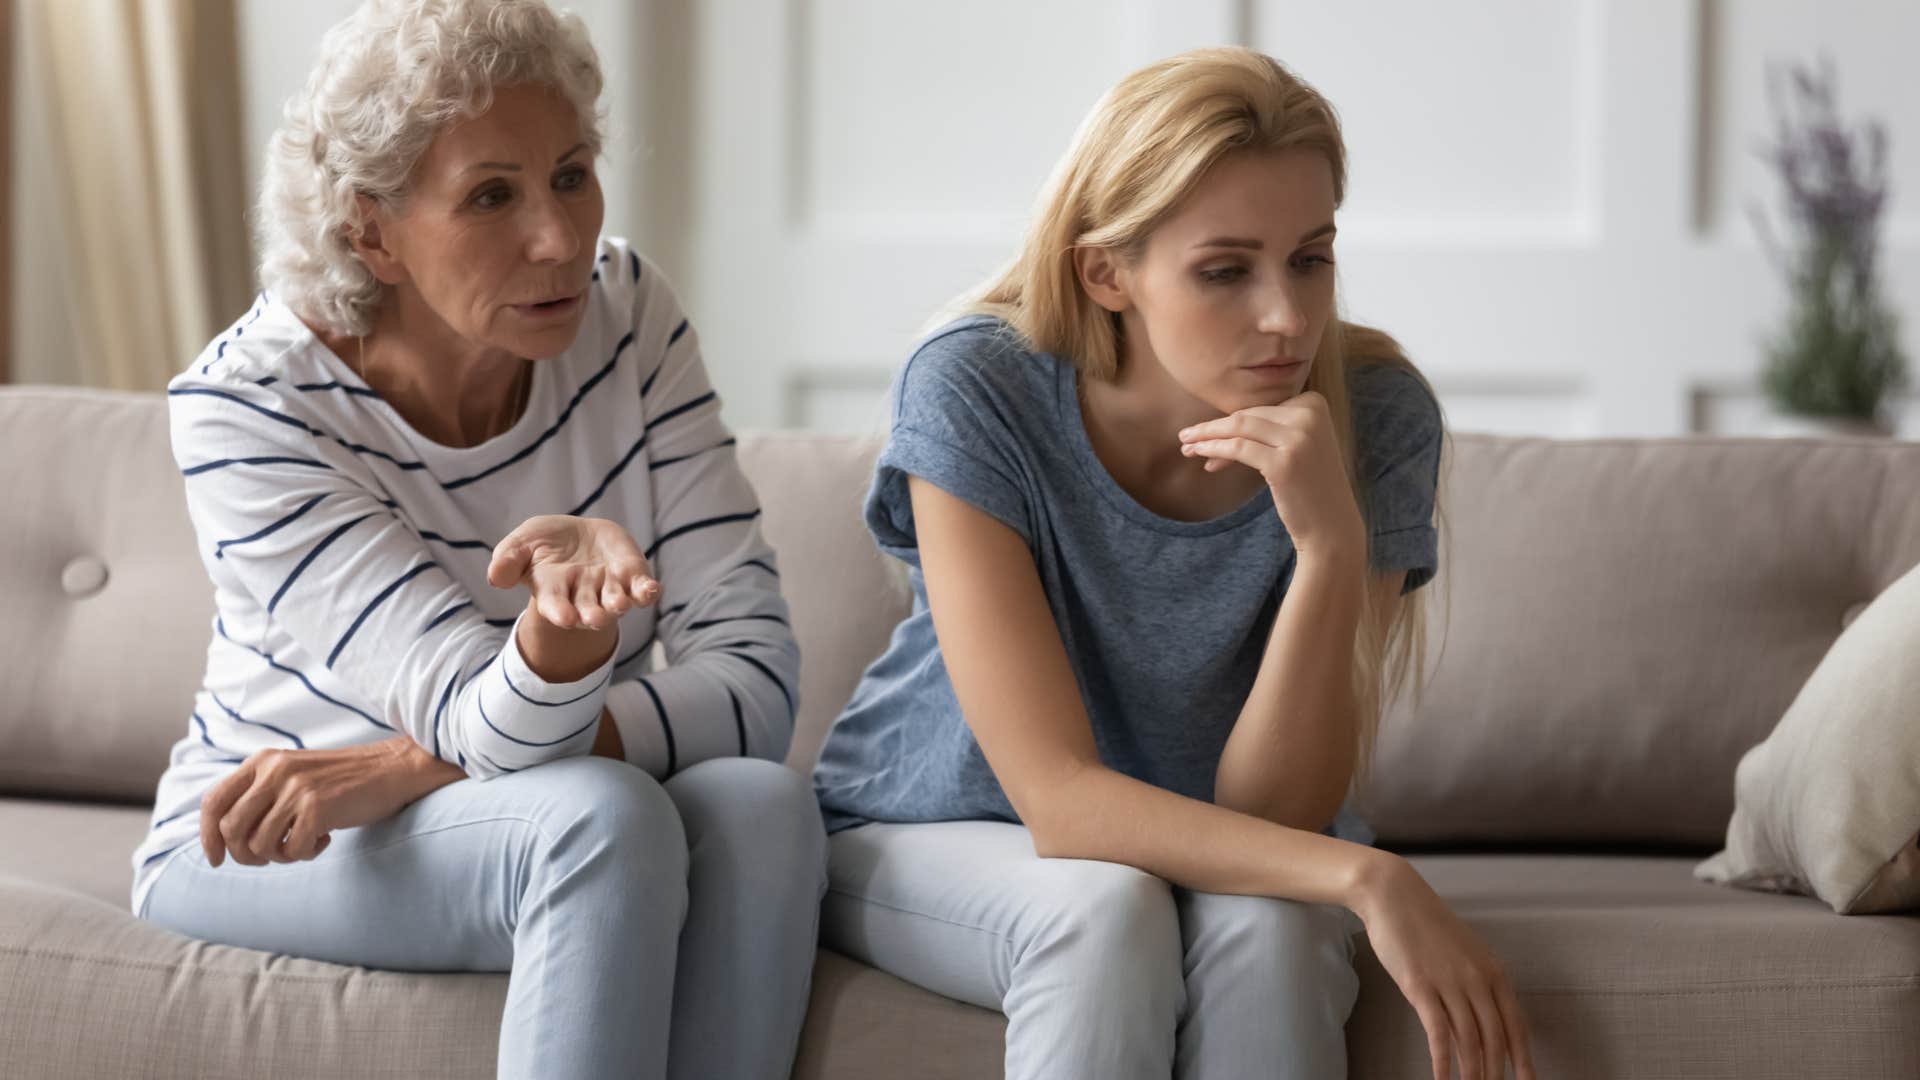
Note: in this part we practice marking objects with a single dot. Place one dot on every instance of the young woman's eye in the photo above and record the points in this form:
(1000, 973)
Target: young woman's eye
(1308, 263)
(571, 180)
(1221, 275)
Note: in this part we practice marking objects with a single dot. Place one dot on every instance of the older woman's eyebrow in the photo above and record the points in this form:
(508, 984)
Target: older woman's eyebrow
(1255, 244)
(508, 166)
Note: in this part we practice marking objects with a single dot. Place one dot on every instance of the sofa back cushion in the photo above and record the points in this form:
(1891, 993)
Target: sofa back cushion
(1614, 623)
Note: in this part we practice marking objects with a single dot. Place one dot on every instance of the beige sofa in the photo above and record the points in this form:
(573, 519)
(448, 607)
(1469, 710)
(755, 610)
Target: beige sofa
(1623, 619)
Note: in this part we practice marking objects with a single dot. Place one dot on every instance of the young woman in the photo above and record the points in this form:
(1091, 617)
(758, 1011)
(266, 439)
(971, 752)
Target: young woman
(1164, 515)
(454, 387)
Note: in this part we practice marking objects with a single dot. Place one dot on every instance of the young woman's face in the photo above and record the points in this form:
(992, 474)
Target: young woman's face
(1232, 292)
(500, 225)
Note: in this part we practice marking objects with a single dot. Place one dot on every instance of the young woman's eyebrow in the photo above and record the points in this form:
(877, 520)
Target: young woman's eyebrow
(1254, 244)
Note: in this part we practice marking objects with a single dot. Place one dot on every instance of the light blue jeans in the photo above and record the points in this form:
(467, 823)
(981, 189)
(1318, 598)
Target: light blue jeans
(650, 929)
(1102, 970)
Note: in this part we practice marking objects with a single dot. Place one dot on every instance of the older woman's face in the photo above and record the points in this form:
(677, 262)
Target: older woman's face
(498, 232)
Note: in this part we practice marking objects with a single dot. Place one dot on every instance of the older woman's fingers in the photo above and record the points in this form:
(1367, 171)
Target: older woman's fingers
(272, 830)
(586, 600)
(613, 596)
(304, 839)
(644, 590)
(214, 806)
(509, 565)
(238, 824)
(554, 606)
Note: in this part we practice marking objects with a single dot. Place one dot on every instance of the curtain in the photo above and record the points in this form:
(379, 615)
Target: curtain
(142, 128)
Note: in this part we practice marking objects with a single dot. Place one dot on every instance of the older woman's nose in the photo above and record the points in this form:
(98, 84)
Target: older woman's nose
(551, 234)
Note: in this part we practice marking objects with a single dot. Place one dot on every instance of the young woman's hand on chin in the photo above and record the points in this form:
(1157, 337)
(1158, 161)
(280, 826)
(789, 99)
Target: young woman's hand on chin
(1292, 445)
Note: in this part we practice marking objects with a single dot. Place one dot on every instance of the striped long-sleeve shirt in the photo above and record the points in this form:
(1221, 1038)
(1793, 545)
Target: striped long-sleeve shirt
(348, 556)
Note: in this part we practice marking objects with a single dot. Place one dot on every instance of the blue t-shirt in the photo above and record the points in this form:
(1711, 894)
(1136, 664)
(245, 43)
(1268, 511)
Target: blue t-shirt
(1164, 621)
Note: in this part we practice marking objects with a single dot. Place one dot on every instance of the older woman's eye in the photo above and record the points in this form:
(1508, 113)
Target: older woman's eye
(1221, 275)
(489, 197)
(571, 180)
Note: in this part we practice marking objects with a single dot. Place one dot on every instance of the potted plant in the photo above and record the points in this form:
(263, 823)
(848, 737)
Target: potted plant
(1837, 357)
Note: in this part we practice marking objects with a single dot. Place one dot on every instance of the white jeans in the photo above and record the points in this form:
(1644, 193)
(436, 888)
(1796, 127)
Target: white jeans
(1102, 970)
(650, 929)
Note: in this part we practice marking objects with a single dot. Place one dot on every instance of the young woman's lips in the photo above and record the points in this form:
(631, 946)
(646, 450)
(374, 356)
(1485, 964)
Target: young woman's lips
(551, 309)
(1275, 369)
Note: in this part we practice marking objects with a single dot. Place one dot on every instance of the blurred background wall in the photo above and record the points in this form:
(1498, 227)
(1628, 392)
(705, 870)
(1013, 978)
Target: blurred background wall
(1549, 204)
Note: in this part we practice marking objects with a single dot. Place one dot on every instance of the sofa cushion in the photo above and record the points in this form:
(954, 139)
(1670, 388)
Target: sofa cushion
(1626, 966)
(1616, 621)
(1829, 804)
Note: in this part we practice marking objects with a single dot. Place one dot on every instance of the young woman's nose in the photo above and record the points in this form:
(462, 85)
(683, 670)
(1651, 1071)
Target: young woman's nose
(1281, 312)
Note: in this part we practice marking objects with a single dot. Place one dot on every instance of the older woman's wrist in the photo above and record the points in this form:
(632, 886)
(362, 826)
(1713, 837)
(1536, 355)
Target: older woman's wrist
(562, 654)
(412, 770)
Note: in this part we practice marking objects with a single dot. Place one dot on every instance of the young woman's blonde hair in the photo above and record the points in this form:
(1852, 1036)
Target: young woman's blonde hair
(1136, 157)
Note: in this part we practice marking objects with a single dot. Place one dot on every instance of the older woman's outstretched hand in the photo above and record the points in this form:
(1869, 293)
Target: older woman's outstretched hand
(582, 572)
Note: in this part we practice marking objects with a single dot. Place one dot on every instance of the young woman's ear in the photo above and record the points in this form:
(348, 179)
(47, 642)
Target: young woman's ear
(1100, 274)
(370, 243)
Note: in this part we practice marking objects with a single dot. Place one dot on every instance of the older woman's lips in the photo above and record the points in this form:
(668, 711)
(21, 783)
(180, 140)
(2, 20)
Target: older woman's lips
(551, 309)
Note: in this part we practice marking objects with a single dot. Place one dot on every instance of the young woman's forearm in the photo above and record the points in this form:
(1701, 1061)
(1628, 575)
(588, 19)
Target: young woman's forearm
(1097, 813)
(1291, 755)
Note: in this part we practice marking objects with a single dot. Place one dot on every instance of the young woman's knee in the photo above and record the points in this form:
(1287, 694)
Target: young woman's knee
(1122, 918)
(1276, 934)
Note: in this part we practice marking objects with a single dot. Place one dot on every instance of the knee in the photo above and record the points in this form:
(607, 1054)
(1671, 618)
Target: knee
(761, 812)
(1122, 919)
(591, 809)
(1286, 937)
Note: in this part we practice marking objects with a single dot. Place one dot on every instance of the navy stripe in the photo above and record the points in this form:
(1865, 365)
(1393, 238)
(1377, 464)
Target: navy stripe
(675, 609)
(481, 545)
(377, 601)
(445, 615)
(268, 381)
(739, 724)
(311, 387)
(634, 258)
(311, 555)
(663, 462)
(290, 421)
(768, 672)
(482, 699)
(282, 732)
(208, 739)
(666, 726)
(762, 564)
(552, 704)
(293, 421)
(671, 338)
(220, 549)
(158, 855)
(696, 526)
(503, 622)
(632, 656)
(221, 626)
(224, 462)
(565, 415)
(704, 623)
(617, 470)
(442, 708)
(678, 409)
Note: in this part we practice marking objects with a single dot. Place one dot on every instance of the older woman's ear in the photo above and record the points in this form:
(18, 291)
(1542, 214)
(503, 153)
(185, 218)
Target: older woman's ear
(369, 242)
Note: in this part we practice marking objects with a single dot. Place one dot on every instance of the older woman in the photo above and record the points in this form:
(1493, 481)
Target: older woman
(450, 389)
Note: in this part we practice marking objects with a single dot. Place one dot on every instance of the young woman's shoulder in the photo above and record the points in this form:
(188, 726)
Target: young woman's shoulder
(974, 361)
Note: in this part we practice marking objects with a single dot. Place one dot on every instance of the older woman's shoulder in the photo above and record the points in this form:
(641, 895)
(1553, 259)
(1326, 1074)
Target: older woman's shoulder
(265, 346)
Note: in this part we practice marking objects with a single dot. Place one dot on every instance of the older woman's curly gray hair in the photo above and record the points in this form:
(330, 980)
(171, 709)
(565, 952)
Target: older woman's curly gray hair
(390, 78)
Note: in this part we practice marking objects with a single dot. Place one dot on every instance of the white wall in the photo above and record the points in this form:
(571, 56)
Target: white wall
(1547, 200)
